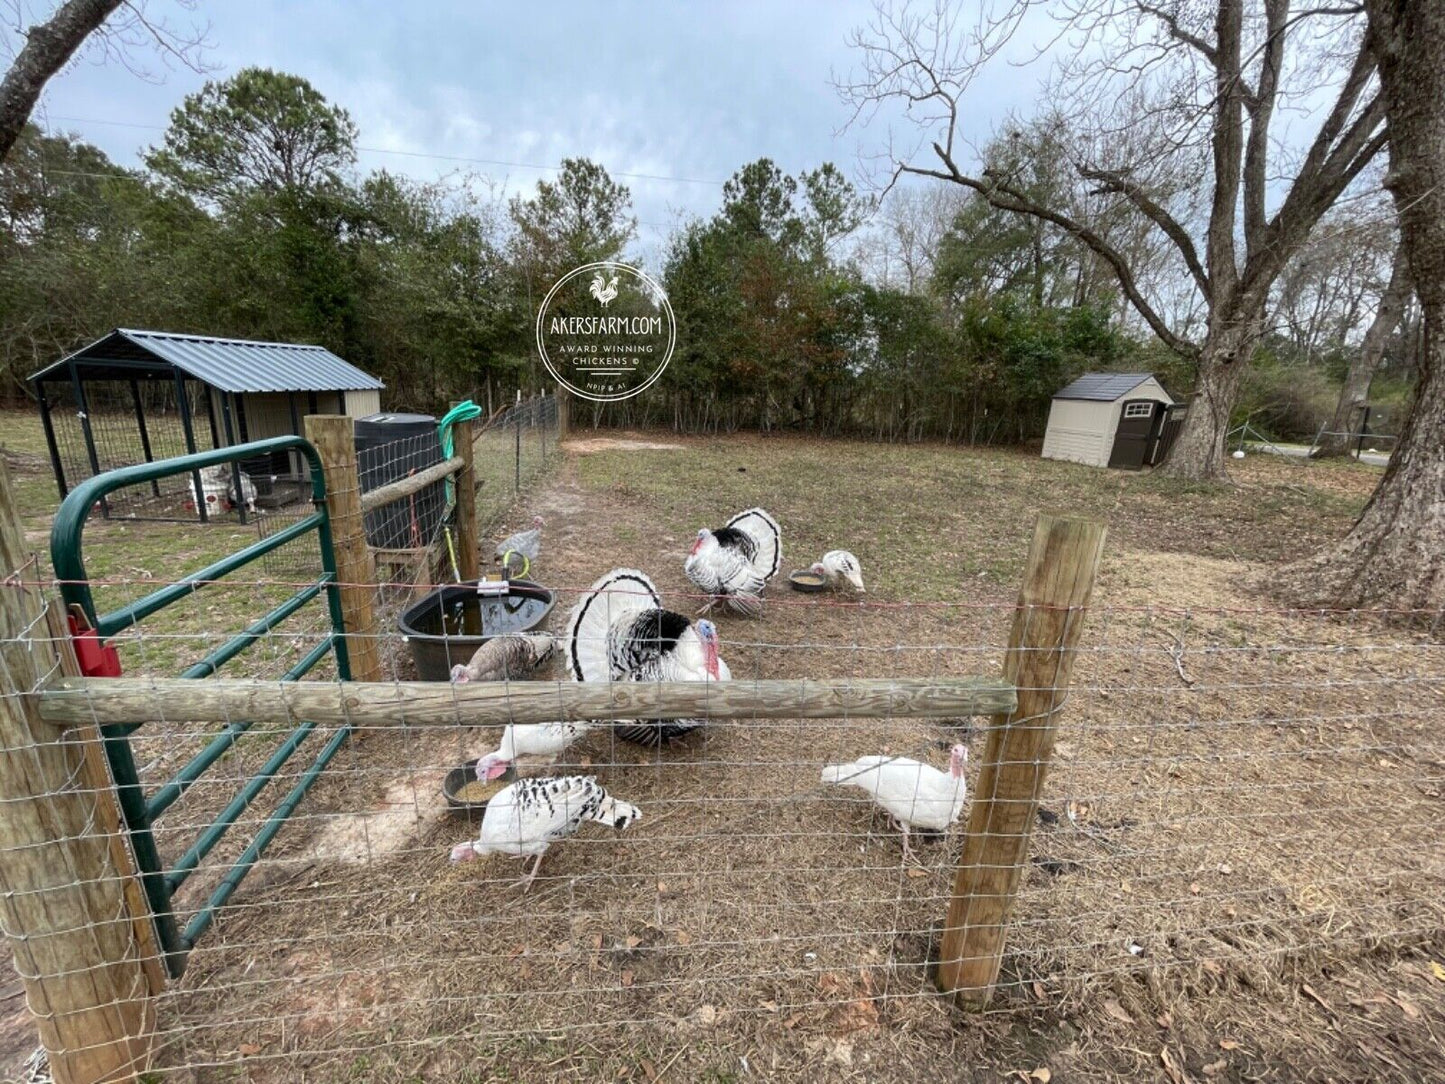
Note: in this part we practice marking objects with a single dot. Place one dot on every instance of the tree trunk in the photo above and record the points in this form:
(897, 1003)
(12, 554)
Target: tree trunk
(1336, 440)
(1198, 453)
(48, 47)
(1395, 554)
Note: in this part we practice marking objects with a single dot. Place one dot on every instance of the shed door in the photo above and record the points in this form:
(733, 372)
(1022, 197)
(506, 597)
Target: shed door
(1167, 424)
(1135, 433)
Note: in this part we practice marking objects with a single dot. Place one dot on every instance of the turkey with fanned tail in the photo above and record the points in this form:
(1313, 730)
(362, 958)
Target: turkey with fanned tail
(619, 631)
(734, 563)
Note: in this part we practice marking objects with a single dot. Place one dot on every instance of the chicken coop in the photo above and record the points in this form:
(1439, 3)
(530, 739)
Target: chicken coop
(142, 396)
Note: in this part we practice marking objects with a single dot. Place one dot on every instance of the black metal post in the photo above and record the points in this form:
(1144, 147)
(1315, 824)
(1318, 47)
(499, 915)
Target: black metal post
(240, 499)
(1364, 428)
(183, 405)
(294, 459)
(145, 437)
(241, 427)
(211, 416)
(55, 462)
(83, 408)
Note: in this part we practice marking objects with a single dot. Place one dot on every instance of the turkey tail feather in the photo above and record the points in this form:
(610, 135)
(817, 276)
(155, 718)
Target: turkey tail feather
(616, 814)
(616, 596)
(769, 536)
(747, 605)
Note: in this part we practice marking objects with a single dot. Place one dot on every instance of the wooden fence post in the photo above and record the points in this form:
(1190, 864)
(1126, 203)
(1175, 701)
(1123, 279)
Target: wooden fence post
(71, 927)
(335, 441)
(564, 414)
(469, 565)
(1058, 579)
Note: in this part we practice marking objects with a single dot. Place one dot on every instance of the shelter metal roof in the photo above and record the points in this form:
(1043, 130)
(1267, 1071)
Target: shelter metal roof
(233, 365)
(1103, 387)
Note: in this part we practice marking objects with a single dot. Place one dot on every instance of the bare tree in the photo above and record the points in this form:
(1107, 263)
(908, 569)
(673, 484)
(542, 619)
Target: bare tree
(1361, 369)
(900, 247)
(1395, 553)
(1336, 279)
(1164, 90)
(50, 45)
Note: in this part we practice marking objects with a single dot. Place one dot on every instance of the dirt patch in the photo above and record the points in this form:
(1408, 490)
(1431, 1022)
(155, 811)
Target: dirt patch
(409, 807)
(589, 445)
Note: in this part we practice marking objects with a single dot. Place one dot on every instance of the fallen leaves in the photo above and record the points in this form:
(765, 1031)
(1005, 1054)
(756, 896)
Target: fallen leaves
(1171, 1066)
(628, 978)
(1438, 970)
(1117, 1011)
(1310, 992)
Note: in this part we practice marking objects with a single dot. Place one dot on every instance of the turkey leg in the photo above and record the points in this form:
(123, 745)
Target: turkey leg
(527, 880)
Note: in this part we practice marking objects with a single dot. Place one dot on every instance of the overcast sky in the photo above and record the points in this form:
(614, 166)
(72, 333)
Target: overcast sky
(673, 90)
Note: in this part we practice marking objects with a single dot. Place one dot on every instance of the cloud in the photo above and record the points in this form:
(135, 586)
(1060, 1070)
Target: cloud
(674, 94)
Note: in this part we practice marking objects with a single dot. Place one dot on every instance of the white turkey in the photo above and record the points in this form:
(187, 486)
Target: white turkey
(518, 551)
(527, 817)
(917, 795)
(543, 740)
(511, 657)
(840, 565)
(734, 563)
(619, 631)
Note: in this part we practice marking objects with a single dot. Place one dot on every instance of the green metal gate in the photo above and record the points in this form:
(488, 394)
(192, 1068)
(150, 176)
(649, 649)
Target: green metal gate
(140, 810)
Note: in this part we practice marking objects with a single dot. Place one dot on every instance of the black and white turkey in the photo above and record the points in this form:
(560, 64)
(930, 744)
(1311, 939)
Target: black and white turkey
(527, 817)
(619, 631)
(734, 563)
(838, 566)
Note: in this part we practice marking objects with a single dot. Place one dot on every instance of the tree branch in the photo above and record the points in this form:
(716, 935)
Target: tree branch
(1007, 198)
(1261, 110)
(1112, 181)
(1227, 144)
(1178, 33)
(48, 46)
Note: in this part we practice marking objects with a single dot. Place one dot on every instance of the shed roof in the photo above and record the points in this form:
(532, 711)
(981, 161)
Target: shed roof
(233, 365)
(1103, 387)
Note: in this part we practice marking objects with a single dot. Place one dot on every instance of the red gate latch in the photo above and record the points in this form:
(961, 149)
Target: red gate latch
(96, 659)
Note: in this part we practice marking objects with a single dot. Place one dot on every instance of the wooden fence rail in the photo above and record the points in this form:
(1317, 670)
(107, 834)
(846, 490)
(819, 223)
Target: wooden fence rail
(81, 701)
(392, 492)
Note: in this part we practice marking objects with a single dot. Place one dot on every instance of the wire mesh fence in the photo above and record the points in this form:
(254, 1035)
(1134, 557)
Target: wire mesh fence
(513, 449)
(1230, 790)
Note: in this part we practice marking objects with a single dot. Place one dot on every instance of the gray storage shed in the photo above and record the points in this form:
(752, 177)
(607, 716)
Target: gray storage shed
(1112, 420)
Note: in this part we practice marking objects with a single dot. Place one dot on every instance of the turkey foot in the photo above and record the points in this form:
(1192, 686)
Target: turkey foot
(527, 880)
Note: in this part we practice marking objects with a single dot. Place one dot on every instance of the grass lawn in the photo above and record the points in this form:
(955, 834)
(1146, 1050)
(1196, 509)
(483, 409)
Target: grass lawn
(1236, 874)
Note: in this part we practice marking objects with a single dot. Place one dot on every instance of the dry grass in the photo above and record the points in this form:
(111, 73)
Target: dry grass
(1238, 874)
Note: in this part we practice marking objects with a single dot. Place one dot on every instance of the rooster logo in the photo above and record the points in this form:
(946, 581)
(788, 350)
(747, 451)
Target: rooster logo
(604, 290)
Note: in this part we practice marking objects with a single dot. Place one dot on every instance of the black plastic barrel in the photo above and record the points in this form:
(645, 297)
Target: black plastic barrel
(389, 447)
(447, 626)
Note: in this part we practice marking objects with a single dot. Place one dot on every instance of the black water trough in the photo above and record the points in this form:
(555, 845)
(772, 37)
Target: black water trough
(448, 625)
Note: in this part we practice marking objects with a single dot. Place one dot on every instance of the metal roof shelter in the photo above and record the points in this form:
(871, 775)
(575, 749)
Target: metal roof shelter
(137, 395)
